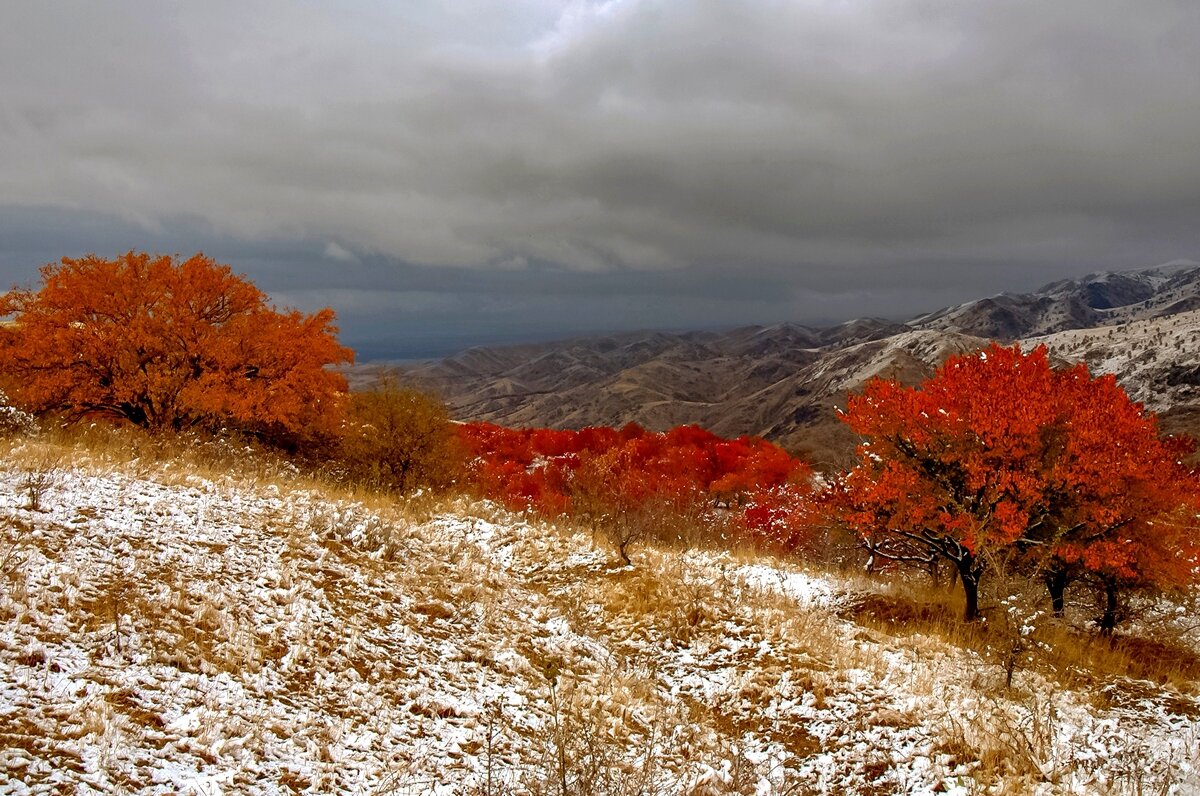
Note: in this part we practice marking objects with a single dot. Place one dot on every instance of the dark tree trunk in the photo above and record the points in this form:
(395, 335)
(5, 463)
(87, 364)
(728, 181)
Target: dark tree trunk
(969, 572)
(1108, 621)
(971, 592)
(1056, 584)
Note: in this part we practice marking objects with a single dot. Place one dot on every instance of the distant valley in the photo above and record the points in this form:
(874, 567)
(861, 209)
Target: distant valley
(783, 382)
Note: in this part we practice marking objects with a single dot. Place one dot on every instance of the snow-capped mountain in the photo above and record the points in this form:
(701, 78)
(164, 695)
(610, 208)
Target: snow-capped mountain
(1100, 299)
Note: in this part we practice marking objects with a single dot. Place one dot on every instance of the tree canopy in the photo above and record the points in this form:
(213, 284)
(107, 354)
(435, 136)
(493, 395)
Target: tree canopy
(169, 344)
(999, 453)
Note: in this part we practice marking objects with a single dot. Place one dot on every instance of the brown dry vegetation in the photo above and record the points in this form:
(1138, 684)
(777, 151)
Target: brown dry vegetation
(1072, 656)
(398, 439)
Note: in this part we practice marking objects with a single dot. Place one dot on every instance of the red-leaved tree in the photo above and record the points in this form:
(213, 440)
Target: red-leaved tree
(1121, 504)
(999, 455)
(166, 344)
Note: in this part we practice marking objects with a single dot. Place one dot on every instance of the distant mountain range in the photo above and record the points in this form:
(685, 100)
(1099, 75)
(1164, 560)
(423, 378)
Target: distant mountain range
(784, 381)
(1100, 299)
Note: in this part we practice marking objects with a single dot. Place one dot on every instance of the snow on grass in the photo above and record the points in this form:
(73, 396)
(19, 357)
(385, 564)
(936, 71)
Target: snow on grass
(807, 590)
(203, 637)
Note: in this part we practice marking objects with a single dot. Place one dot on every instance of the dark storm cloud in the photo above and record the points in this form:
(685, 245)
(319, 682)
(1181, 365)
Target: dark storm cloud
(598, 165)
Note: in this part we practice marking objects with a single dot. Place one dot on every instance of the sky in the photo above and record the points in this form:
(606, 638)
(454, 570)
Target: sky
(456, 173)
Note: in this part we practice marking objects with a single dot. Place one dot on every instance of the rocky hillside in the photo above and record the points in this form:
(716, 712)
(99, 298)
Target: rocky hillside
(783, 381)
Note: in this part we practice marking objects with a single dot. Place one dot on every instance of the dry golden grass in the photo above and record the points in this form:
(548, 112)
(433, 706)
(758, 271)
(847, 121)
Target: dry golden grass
(1070, 656)
(659, 589)
(174, 459)
(189, 629)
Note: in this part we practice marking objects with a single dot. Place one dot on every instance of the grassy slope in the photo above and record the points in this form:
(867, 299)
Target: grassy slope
(166, 626)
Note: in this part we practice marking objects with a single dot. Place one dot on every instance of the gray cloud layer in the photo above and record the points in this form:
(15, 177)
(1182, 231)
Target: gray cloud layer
(704, 159)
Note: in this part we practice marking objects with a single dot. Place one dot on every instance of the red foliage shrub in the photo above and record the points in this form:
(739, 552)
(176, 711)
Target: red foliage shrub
(598, 471)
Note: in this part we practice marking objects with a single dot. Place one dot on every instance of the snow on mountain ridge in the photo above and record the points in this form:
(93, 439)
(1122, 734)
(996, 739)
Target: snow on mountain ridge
(1098, 299)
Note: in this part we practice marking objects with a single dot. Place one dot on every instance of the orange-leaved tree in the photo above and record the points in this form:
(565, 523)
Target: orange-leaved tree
(169, 344)
(1000, 455)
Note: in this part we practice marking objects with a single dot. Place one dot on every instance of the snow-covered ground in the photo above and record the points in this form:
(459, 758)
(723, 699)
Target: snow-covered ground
(162, 632)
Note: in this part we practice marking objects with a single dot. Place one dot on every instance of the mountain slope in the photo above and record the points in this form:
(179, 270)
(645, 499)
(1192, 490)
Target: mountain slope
(1156, 360)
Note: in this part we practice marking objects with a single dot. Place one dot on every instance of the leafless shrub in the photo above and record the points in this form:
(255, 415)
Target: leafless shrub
(591, 752)
(37, 483)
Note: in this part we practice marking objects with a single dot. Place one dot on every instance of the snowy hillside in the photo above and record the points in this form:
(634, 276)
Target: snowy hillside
(783, 381)
(1157, 361)
(166, 632)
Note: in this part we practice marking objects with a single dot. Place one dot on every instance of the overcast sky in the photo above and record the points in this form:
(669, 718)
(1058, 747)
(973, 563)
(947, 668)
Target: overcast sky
(453, 173)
